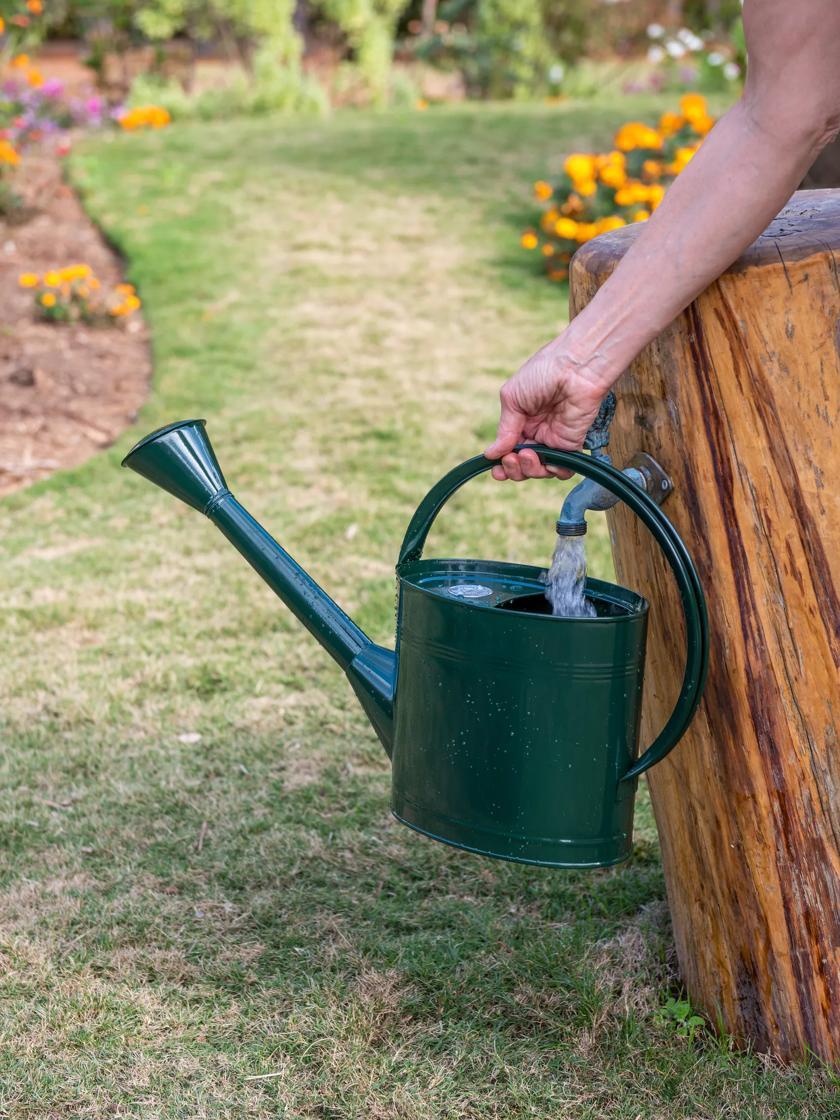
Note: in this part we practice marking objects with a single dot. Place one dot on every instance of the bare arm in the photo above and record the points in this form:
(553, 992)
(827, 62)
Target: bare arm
(747, 168)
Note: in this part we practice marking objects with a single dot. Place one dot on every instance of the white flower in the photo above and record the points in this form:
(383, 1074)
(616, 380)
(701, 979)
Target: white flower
(714, 58)
(556, 74)
(732, 71)
(655, 31)
(655, 55)
(675, 49)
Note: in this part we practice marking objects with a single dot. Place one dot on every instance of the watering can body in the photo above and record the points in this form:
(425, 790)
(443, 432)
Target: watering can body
(513, 729)
(512, 733)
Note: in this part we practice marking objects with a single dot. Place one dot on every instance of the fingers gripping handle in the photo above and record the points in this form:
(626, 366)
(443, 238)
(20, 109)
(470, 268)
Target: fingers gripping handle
(665, 535)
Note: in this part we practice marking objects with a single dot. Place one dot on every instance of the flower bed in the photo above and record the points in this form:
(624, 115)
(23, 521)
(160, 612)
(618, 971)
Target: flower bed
(603, 191)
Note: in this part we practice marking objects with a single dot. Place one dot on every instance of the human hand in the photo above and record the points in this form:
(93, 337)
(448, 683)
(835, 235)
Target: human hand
(553, 399)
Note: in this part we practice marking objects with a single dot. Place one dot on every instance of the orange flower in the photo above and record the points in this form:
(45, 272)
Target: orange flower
(35, 78)
(635, 134)
(613, 175)
(9, 153)
(543, 190)
(48, 299)
(2, 25)
(529, 240)
(693, 107)
(641, 215)
(669, 123)
(35, 7)
(20, 61)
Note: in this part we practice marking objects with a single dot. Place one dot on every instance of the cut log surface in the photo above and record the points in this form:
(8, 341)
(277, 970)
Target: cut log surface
(739, 400)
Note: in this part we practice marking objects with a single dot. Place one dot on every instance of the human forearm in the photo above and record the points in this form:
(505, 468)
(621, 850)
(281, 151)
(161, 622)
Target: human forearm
(735, 185)
(747, 168)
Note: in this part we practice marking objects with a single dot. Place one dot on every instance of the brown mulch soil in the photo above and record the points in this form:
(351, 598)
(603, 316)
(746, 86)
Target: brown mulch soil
(66, 391)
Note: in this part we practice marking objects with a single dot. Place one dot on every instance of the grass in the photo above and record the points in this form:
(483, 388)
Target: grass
(206, 909)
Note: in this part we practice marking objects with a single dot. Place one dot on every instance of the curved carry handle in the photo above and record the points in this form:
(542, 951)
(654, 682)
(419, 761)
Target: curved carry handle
(666, 536)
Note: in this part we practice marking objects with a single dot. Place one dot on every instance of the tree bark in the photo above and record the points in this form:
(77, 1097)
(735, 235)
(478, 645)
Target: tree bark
(739, 400)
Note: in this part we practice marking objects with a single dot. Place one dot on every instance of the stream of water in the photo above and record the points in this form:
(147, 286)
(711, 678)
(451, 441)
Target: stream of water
(566, 579)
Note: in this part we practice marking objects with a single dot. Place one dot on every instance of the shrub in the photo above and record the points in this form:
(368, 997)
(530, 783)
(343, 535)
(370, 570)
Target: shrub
(601, 192)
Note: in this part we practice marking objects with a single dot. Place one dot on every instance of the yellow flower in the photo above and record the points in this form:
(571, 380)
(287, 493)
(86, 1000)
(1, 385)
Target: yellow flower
(543, 190)
(635, 134)
(9, 153)
(35, 78)
(586, 187)
(655, 194)
(20, 61)
(632, 192)
(132, 303)
(53, 279)
(703, 125)
(604, 225)
(580, 166)
(2, 25)
(669, 123)
(124, 289)
(652, 168)
(48, 299)
(75, 272)
(641, 215)
(613, 175)
(585, 231)
(682, 157)
(421, 104)
(566, 228)
(28, 280)
(693, 107)
(529, 240)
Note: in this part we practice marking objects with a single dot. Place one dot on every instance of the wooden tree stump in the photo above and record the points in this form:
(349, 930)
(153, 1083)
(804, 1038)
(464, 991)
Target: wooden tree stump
(739, 400)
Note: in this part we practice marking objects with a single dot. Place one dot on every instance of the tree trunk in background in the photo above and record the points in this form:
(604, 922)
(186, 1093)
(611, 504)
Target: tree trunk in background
(739, 400)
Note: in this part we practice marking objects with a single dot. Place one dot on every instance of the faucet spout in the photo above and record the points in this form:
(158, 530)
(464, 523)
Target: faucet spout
(588, 495)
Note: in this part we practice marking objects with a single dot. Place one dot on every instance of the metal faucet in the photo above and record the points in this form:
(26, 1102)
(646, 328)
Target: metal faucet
(642, 470)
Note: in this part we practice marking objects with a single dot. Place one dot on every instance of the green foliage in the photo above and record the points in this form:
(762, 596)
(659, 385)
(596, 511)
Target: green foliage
(679, 1014)
(271, 87)
(508, 48)
(369, 27)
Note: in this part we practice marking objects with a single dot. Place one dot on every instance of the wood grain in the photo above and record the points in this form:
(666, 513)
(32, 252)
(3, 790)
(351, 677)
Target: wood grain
(740, 401)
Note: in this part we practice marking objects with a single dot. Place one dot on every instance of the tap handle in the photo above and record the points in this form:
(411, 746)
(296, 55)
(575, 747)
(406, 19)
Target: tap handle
(598, 435)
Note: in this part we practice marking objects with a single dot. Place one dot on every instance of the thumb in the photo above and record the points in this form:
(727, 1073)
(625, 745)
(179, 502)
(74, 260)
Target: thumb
(508, 434)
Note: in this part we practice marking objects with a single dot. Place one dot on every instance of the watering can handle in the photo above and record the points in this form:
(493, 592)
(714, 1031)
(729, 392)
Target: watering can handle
(666, 536)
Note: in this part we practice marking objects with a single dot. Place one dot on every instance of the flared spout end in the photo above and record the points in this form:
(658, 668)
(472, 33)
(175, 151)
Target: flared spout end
(180, 459)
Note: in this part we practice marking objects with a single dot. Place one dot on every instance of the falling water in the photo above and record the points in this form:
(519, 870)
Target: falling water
(566, 579)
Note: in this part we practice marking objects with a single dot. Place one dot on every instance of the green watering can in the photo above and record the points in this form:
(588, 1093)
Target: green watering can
(512, 733)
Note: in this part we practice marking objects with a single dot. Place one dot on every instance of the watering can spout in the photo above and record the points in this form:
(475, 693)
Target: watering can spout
(180, 459)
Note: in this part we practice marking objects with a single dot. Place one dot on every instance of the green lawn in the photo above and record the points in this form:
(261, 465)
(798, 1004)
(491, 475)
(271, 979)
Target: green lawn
(232, 925)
